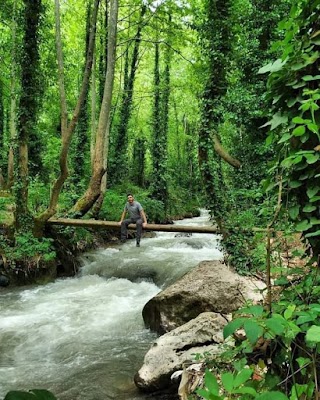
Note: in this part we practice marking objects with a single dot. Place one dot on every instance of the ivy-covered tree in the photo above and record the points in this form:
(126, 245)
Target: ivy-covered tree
(28, 107)
(215, 35)
(119, 161)
(293, 86)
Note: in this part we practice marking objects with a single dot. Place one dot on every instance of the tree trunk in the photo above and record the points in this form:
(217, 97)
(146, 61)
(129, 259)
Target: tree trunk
(28, 108)
(67, 129)
(216, 35)
(120, 162)
(91, 223)
(224, 154)
(93, 112)
(81, 148)
(13, 100)
(85, 203)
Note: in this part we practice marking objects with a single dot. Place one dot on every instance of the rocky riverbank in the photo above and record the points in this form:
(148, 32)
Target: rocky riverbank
(190, 316)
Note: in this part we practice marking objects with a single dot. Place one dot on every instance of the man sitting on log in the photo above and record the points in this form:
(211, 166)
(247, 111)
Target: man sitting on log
(137, 215)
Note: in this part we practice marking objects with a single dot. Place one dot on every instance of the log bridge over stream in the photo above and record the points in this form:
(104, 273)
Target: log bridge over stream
(97, 224)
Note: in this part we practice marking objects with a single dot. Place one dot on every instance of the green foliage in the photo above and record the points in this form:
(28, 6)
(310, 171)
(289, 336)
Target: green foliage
(244, 249)
(291, 331)
(114, 202)
(27, 247)
(34, 394)
(294, 127)
(238, 384)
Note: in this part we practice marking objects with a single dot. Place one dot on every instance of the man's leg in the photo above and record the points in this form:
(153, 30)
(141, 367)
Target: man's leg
(124, 229)
(139, 230)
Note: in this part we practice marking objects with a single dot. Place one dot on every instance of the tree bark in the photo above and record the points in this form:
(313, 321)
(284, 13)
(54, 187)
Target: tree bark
(67, 129)
(224, 154)
(28, 109)
(119, 169)
(91, 223)
(85, 203)
(13, 100)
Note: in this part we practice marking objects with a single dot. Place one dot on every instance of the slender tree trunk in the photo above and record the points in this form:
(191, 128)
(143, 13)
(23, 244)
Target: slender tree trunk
(13, 102)
(67, 129)
(93, 111)
(28, 108)
(160, 128)
(216, 33)
(85, 203)
(119, 169)
(81, 148)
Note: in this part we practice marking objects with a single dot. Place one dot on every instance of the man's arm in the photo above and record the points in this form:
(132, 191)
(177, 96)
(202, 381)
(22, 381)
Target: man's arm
(123, 216)
(144, 218)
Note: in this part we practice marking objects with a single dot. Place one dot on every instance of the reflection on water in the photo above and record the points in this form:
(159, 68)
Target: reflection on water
(84, 338)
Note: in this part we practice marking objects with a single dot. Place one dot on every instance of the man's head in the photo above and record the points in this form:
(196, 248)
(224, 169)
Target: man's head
(130, 198)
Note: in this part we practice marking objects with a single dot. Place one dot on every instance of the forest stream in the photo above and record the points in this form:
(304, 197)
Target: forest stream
(83, 338)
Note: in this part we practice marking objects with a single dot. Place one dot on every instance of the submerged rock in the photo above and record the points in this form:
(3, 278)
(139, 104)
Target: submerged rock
(4, 281)
(171, 351)
(211, 286)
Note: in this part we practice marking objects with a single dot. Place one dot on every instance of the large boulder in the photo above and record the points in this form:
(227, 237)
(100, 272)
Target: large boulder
(211, 286)
(171, 351)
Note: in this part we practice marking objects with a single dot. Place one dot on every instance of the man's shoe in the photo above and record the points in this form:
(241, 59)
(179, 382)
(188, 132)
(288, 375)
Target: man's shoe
(138, 244)
(123, 240)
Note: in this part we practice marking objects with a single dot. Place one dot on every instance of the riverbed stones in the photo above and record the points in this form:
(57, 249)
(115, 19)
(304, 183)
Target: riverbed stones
(176, 348)
(211, 286)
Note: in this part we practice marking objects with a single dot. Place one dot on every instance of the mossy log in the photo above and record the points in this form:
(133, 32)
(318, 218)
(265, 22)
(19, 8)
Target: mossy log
(92, 223)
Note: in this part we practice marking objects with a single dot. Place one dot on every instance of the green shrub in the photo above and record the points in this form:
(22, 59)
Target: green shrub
(26, 247)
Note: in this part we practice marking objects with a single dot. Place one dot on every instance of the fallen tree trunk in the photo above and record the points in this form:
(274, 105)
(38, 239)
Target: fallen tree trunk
(92, 223)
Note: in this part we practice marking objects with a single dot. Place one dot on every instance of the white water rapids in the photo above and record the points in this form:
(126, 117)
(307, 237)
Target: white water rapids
(83, 338)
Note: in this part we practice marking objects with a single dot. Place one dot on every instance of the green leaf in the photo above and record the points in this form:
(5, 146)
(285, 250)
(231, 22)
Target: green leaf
(309, 208)
(288, 162)
(256, 310)
(294, 212)
(299, 120)
(291, 102)
(253, 331)
(299, 131)
(313, 234)
(299, 85)
(277, 120)
(272, 67)
(312, 158)
(303, 225)
(245, 390)
(289, 311)
(313, 127)
(285, 138)
(211, 383)
(242, 377)
(272, 396)
(232, 326)
(313, 334)
(303, 361)
(275, 326)
(308, 78)
(312, 191)
(295, 184)
(205, 394)
(302, 319)
(315, 198)
(297, 66)
(281, 281)
(228, 381)
(269, 139)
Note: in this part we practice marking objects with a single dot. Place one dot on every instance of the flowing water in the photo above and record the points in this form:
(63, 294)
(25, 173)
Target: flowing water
(83, 338)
